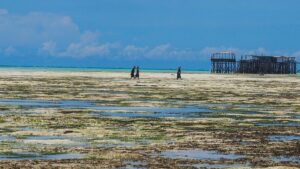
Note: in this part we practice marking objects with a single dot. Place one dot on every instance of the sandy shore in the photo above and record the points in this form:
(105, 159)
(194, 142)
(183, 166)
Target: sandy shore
(197, 87)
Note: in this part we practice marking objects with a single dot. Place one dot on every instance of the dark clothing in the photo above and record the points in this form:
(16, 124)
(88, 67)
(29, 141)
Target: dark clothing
(132, 73)
(137, 75)
(179, 73)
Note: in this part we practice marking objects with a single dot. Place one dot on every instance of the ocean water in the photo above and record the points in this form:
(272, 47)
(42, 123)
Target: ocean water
(92, 69)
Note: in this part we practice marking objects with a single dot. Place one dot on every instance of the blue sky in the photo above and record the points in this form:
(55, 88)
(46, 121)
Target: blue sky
(149, 33)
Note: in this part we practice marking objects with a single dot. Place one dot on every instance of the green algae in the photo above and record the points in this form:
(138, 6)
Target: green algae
(116, 139)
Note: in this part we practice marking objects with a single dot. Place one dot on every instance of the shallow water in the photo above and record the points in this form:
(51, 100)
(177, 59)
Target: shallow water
(215, 165)
(283, 138)
(116, 144)
(195, 111)
(293, 159)
(45, 138)
(134, 164)
(7, 138)
(198, 155)
(278, 124)
(47, 103)
(36, 156)
(93, 105)
(188, 111)
(91, 69)
(152, 114)
(71, 141)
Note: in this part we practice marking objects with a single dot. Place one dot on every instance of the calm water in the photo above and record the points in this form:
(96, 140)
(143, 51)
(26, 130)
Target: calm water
(37, 156)
(98, 110)
(198, 155)
(88, 69)
(283, 138)
(94, 69)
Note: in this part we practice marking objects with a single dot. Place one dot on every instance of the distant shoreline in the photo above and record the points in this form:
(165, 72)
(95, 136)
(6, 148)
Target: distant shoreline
(93, 69)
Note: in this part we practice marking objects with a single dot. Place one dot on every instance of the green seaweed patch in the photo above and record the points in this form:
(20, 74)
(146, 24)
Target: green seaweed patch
(75, 111)
(8, 142)
(10, 154)
(4, 108)
(2, 120)
(21, 137)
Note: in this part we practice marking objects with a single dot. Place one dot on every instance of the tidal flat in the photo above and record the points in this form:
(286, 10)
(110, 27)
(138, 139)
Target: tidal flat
(106, 120)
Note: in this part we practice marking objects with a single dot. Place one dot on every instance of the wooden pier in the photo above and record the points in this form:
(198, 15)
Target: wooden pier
(225, 62)
(267, 65)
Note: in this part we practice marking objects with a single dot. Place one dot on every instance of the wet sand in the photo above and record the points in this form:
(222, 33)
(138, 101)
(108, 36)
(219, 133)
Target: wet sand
(106, 120)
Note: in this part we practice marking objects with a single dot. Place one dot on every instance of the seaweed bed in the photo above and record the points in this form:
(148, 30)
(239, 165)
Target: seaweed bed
(105, 120)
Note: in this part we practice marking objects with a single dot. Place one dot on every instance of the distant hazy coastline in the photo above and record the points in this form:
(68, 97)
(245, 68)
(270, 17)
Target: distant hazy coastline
(93, 69)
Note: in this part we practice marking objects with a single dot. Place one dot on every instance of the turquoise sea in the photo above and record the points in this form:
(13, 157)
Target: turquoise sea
(92, 69)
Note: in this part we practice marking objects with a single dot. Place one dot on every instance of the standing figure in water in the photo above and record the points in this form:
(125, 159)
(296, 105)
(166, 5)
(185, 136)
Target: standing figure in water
(132, 72)
(137, 74)
(179, 73)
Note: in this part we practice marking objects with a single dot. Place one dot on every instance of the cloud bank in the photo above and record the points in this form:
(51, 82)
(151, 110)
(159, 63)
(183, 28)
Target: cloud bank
(53, 35)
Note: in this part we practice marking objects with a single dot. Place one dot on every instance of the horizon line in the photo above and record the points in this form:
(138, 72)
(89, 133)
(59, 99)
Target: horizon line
(93, 67)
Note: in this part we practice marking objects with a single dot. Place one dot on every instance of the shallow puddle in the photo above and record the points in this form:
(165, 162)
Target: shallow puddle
(185, 114)
(37, 156)
(130, 111)
(283, 138)
(157, 109)
(7, 138)
(194, 111)
(198, 155)
(119, 145)
(47, 103)
(134, 165)
(292, 159)
(278, 124)
(215, 165)
(57, 140)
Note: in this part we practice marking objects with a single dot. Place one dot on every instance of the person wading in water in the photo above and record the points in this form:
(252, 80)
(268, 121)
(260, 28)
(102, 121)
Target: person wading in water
(132, 72)
(137, 75)
(179, 73)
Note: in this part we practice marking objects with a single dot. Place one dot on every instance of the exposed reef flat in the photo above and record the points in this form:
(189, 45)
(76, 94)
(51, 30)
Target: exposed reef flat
(105, 120)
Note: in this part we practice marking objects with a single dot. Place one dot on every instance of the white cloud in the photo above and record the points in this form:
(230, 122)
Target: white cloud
(163, 51)
(79, 50)
(209, 50)
(86, 47)
(159, 51)
(133, 51)
(58, 36)
(206, 52)
(35, 28)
